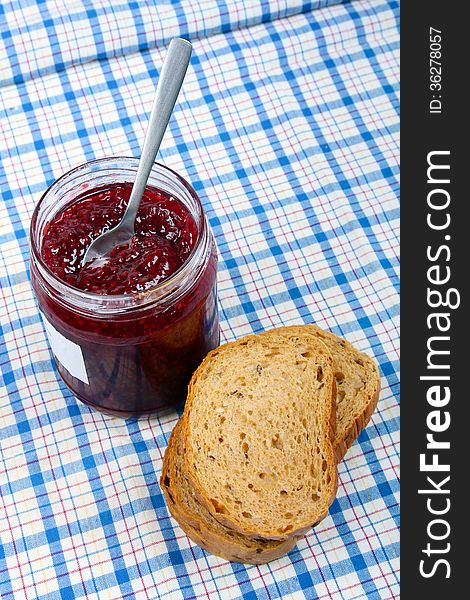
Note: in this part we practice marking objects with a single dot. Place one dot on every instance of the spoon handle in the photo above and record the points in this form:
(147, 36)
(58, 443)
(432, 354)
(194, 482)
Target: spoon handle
(168, 87)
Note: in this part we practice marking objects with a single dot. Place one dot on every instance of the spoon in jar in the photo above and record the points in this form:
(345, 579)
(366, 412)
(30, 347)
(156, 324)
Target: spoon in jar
(168, 87)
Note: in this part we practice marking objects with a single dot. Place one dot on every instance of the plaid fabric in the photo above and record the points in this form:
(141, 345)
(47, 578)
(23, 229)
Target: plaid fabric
(287, 126)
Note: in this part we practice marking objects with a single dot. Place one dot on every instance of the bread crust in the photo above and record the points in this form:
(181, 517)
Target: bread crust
(343, 444)
(212, 544)
(344, 438)
(200, 531)
(328, 426)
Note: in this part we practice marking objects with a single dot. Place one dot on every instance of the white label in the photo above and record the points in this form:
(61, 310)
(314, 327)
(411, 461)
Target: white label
(66, 352)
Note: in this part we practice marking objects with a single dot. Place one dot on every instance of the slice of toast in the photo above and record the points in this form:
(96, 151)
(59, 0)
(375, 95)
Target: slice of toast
(199, 524)
(257, 433)
(357, 383)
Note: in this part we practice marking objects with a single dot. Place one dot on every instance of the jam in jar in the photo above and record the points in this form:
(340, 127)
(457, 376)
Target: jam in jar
(126, 330)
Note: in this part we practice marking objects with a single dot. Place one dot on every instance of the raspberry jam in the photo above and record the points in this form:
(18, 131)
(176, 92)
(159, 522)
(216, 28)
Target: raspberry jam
(126, 331)
(164, 236)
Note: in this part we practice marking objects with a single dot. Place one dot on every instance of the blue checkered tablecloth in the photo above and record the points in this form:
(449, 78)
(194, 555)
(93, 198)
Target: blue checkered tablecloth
(287, 126)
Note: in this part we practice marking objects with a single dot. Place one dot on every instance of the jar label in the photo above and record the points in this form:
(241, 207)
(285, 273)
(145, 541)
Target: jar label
(67, 353)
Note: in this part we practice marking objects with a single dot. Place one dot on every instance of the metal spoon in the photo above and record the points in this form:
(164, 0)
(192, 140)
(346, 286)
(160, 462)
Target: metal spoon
(168, 87)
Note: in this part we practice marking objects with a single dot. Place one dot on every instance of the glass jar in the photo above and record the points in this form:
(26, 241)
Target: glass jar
(129, 354)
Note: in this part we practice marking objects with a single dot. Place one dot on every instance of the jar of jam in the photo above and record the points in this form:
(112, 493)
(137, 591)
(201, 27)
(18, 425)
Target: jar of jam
(126, 331)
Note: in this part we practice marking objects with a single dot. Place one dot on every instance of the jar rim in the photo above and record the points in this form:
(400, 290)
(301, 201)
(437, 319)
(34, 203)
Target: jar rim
(164, 290)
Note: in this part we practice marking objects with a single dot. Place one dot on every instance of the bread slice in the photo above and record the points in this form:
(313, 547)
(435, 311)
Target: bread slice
(199, 524)
(258, 430)
(357, 383)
